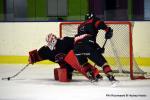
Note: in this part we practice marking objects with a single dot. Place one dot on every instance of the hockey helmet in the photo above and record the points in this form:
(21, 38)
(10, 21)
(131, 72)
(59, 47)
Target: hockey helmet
(89, 16)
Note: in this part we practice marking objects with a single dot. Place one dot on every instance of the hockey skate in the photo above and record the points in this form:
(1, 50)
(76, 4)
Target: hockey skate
(112, 79)
(92, 78)
(98, 77)
(89, 74)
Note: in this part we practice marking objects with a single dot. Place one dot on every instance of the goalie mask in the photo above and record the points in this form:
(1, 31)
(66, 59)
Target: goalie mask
(51, 40)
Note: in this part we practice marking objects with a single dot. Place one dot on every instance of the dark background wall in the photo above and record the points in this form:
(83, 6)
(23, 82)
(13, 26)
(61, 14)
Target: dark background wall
(1, 10)
(74, 10)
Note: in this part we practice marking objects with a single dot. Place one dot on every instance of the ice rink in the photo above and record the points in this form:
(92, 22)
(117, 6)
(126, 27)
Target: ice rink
(37, 83)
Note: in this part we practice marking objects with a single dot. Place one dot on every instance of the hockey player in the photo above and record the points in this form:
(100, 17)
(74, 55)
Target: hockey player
(55, 51)
(88, 48)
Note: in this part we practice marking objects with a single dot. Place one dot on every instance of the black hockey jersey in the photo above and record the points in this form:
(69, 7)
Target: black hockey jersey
(91, 27)
(62, 46)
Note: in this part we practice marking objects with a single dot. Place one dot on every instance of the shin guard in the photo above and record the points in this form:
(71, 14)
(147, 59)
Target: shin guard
(107, 69)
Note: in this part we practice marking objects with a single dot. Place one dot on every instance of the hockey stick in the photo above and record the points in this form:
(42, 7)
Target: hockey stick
(103, 47)
(104, 43)
(8, 78)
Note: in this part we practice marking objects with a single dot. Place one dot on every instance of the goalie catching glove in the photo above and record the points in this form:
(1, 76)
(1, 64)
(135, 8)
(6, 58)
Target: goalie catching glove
(109, 33)
(34, 57)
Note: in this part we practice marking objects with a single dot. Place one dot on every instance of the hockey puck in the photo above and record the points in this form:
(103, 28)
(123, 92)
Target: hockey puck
(8, 78)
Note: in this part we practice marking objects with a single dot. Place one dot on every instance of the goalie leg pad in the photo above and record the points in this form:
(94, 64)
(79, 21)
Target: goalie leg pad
(62, 74)
(56, 74)
(72, 60)
(69, 69)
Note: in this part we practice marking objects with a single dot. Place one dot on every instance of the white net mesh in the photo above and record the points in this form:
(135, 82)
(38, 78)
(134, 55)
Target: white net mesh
(118, 50)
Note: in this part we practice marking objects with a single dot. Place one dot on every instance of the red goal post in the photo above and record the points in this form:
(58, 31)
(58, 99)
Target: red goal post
(119, 49)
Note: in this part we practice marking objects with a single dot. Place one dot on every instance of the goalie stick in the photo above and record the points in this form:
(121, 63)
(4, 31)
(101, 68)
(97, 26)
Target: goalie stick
(8, 78)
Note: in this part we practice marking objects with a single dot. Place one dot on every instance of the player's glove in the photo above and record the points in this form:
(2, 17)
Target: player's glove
(109, 33)
(34, 57)
(99, 49)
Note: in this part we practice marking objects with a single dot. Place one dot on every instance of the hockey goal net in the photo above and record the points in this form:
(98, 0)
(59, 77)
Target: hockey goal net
(118, 49)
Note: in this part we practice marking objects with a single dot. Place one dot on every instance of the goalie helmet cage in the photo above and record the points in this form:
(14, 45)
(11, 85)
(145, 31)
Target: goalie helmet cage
(118, 50)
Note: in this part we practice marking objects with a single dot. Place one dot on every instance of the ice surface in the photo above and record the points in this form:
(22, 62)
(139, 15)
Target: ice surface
(37, 83)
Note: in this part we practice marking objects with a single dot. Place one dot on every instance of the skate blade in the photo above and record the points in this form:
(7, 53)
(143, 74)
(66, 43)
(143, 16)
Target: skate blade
(115, 83)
